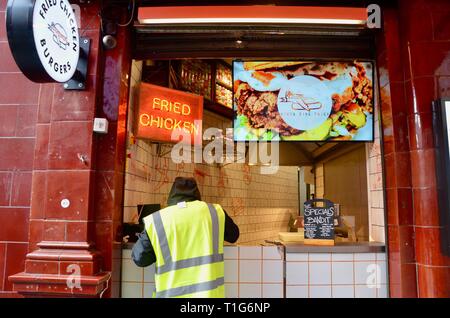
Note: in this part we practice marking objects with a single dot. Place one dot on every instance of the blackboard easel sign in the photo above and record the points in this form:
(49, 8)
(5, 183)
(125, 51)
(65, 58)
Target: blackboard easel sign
(319, 222)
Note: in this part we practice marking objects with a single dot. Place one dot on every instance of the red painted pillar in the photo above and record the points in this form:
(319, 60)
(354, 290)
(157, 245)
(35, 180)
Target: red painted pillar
(63, 260)
(414, 68)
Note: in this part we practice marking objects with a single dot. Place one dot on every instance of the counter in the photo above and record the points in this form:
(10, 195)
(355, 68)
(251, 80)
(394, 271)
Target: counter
(289, 270)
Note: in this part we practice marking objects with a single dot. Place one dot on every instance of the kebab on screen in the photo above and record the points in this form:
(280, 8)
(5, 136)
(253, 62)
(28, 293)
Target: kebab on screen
(351, 90)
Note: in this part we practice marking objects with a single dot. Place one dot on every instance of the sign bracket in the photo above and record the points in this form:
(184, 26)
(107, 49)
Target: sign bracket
(78, 81)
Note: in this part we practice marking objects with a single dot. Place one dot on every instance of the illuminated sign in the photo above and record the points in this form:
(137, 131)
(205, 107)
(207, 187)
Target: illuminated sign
(163, 110)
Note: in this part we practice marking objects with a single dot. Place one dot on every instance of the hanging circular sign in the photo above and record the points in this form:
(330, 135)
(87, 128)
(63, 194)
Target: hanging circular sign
(43, 37)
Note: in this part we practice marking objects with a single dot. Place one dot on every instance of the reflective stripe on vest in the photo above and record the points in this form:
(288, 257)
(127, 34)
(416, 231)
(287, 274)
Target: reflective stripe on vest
(170, 265)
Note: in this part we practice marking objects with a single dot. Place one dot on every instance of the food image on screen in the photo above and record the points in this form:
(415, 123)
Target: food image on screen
(303, 100)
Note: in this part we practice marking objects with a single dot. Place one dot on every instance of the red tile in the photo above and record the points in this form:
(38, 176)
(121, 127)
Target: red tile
(70, 185)
(54, 231)
(106, 149)
(8, 120)
(26, 120)
(391, 33)
(38, 194)
(423, 168)
(420, 92)
(75, 105)
(16, 153)
(41, 267)
(2, 265)
(405, 206)
(7, 63)
(430, 58)
(45, 103)
(407, 246)
(41, 148)
(398, 99)
(14, 223)
(86, 268)
(401, 133)
(3, 36)
(77, 232)
(21, 189)
(36, 231)
(441, 27)
(389, 167)
(428, 247)
(421, 131)
(433, 281)
(69, 141)
(426, 207)
(403, 169)
(103, 239)
(104, 195)
(417, 22)
(28, 94)
(15, 263)
(392, 206)
(3, 5)
(408, 280)
(394, 242)
(5, 188)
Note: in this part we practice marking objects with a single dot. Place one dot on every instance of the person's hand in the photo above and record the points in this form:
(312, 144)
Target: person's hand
(125, 239)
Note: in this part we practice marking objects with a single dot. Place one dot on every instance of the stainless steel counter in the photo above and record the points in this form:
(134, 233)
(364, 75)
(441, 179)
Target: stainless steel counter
(339, 247)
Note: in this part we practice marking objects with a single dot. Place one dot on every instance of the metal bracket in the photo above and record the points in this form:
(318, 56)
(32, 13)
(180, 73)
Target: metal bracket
(78, 81)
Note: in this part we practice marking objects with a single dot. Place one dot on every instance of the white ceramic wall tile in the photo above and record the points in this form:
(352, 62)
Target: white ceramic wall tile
(126, 253)
(149, 274)
(250, 290)
(131, 290)
(272, 271)
(272, 291)
(320, 273)
(382, 292)
(362, 272)
(381, 256)
(320, 291)
(320, 257)
(343, 291)
(250, 271)
(297, 257)
(382, 278)
(296, 291)
(296, 273)
(342, 257)
(230, 252)
(231, 271)
(250, 252)
(342, 273)
(231, 290)
(131, 272)
(365, 256)
(149, 288)
(362, 291)
(272, 252)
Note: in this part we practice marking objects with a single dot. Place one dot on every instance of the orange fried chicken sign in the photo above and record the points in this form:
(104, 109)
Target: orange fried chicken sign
(161, 111)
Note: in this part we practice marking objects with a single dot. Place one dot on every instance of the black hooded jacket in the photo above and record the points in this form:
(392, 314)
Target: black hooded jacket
(183, 189)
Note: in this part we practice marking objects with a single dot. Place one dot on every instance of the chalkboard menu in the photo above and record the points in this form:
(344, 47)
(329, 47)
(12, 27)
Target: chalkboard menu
(319, 222)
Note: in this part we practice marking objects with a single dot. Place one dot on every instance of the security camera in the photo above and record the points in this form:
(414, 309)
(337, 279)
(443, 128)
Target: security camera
(109, 42)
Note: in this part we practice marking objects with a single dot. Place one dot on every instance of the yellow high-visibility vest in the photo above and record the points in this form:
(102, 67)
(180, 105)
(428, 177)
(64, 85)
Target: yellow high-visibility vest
(188, 242)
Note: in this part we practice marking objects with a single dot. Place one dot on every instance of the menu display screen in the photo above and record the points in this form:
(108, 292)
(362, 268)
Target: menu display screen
(303, 100)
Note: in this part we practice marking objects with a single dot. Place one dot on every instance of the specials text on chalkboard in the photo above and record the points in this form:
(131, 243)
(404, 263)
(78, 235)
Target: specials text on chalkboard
(319, 222)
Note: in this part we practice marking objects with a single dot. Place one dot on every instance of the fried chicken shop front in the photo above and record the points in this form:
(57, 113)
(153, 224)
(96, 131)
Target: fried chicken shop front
(325, 94)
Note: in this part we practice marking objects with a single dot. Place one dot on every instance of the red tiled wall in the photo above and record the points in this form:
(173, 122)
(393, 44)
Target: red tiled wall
(19, 99)
(414, 68)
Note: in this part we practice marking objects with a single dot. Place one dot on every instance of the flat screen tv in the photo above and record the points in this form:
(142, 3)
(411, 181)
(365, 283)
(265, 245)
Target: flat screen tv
(303, 100)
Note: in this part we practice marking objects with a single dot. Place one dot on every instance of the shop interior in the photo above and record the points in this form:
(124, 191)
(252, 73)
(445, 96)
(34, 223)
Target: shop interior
(270, 258)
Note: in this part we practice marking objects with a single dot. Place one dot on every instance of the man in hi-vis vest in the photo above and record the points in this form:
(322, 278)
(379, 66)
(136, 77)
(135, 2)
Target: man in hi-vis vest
(186, 241)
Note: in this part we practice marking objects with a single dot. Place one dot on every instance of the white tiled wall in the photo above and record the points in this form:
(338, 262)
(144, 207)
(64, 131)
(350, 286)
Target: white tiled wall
(258, 271)
(361, 275)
